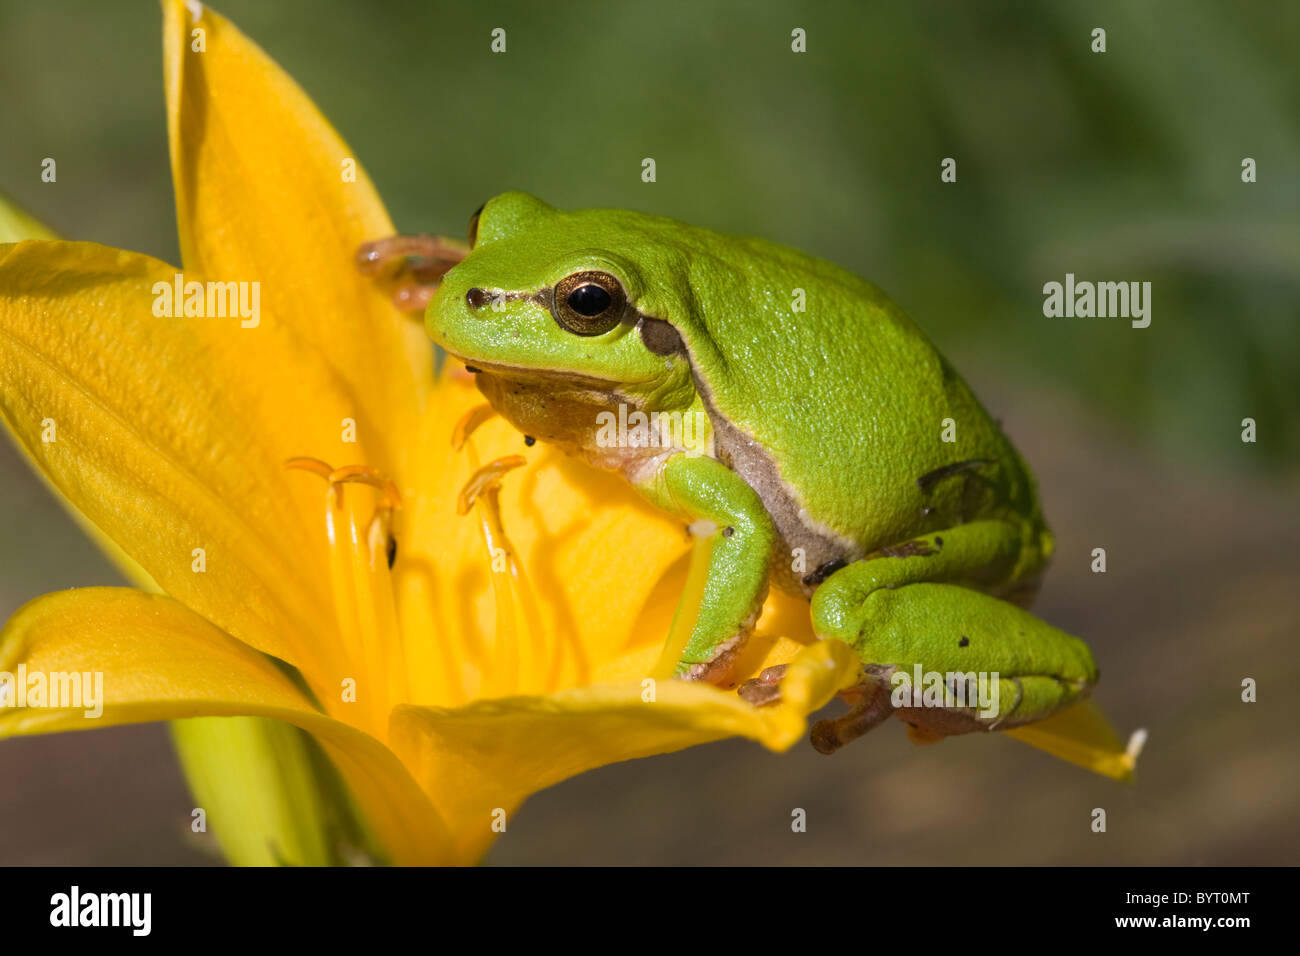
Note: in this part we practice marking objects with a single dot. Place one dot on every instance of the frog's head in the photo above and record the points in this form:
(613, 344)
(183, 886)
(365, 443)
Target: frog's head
(554, 293)
(550, 302)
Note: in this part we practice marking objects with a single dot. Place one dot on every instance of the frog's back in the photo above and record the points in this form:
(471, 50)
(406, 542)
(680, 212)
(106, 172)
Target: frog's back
(847, 400)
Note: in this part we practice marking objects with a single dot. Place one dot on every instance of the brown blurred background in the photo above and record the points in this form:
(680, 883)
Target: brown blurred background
(1123, 165)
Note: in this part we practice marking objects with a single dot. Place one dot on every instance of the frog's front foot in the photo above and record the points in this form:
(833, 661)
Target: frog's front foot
(411, 265)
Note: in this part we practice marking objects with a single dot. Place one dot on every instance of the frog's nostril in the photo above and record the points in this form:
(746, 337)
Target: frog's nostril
(477, 298)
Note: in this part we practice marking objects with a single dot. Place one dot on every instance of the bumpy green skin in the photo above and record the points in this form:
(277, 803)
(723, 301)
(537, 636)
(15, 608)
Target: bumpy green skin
(827, 428)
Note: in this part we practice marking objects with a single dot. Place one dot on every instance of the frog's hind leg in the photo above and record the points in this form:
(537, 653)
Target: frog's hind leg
(868, 703)
(411, 266)
(939, 610)
(958, 660)
(869, 708)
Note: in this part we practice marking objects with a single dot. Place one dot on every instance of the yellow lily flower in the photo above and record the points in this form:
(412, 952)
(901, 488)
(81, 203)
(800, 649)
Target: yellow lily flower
(496, 655)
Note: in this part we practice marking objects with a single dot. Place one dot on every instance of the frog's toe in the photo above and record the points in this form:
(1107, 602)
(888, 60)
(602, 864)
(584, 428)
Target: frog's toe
(413, 297)
(718, 668)
(414, 264)
(870, 708)
(416, 254)
(923, 735)
(765, 689)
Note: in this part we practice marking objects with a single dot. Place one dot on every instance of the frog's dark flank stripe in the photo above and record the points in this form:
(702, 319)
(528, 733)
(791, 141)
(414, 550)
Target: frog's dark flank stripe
(947, 471)
(814, 578)
(907, 549)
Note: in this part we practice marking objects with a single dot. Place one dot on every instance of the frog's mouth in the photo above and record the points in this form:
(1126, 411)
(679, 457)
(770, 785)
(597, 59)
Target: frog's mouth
(543, 376)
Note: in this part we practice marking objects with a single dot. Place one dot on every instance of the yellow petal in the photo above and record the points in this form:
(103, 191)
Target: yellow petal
(492, 754)
(269, 794)
(15, 226)
(160, 661)
(262, 194)
(1082, 735)
(170, 434)
(265, 791)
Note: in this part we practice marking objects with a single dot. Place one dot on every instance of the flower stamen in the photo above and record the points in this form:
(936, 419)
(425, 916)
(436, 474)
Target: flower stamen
(483, 490)
(362, 585)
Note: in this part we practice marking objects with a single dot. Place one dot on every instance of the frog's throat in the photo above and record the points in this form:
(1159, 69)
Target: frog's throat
(568, 412)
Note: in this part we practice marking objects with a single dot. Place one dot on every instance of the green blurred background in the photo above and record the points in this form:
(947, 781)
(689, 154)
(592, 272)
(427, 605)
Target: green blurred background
(1117, 166)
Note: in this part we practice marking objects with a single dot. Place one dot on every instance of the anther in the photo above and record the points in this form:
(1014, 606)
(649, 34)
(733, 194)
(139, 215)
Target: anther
(314, 465)
(469, 423)
(486, 479)
(365, 475)
(390, 498)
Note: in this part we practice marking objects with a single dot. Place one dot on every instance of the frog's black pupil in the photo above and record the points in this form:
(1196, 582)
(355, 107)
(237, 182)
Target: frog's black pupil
(589, 300)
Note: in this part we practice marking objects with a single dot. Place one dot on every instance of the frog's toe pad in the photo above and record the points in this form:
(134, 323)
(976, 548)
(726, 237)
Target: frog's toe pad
(921, 735)
(765, 689)
(411, 265)
(717, 669)
(870, 706)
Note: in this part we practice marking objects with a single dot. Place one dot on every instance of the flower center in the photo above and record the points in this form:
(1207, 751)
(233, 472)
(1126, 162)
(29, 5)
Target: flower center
(377, 664)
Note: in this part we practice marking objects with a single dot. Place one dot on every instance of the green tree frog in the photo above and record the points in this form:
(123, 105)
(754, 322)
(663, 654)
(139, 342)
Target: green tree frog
(843, 459)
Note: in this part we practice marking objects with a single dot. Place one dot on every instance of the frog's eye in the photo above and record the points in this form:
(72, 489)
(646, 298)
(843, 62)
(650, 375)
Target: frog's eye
(588, 303)
(473, 226)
